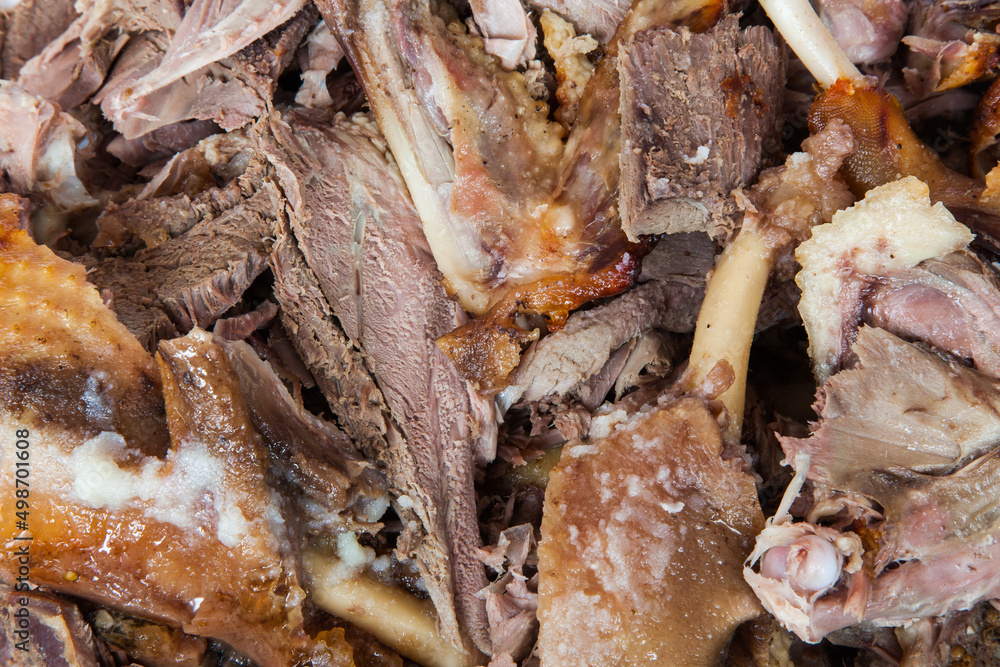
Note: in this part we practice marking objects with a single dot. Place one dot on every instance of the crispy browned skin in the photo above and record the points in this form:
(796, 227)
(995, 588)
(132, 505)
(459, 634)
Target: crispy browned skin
(888, 149)
(985, 127)
(181, 528)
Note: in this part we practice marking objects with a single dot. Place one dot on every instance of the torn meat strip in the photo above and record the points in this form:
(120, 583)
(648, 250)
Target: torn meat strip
(28, 28)
(314, 459)
(507, 31)
(202, 251)
(210, 31)
(562, 360)
(918, 410)
(948, 45)
(952, 303)
(73, 66)
(699, 112)
(512, 600)
(143, 94)
(362, 239)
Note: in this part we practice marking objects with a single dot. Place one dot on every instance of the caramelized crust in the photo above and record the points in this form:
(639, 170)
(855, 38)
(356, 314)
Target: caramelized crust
(888, 149)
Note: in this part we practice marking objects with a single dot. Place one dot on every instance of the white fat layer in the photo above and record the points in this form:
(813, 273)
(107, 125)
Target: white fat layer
(352, 560)
(187, 490)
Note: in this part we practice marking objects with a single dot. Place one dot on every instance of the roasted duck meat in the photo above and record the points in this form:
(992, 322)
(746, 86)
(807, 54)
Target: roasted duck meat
(149, 485)
(517, 221)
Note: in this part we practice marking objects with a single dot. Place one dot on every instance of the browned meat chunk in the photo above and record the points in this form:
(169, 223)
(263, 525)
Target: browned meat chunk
(699, 112)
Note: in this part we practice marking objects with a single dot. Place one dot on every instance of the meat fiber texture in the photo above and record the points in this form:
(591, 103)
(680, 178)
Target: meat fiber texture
(699, 114)
(930, 468)
(200, 246)
(362, 242)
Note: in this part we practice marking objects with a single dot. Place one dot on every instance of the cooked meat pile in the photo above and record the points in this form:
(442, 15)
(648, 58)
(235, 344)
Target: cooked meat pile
(387, 332)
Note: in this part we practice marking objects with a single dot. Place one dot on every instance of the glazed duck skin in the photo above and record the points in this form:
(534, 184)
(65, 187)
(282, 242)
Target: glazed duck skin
(146, 497)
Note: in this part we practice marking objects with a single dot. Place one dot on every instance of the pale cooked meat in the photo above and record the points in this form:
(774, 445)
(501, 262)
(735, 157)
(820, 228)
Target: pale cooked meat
(564, 359)
(643, 538)
(362, 239)
(38, 151)
(699, 112)
(507, 31)
(319, 55)
(73, 67)
(952, 303)
(599, 18)
(918, 410)
(231, 87)
(27, 29)
(211, 30)
(867, 31)
(161, 143)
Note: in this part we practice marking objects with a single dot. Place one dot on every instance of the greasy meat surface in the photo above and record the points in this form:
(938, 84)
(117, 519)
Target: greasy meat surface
(145, 498)
(888, 148)
(643, 540)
